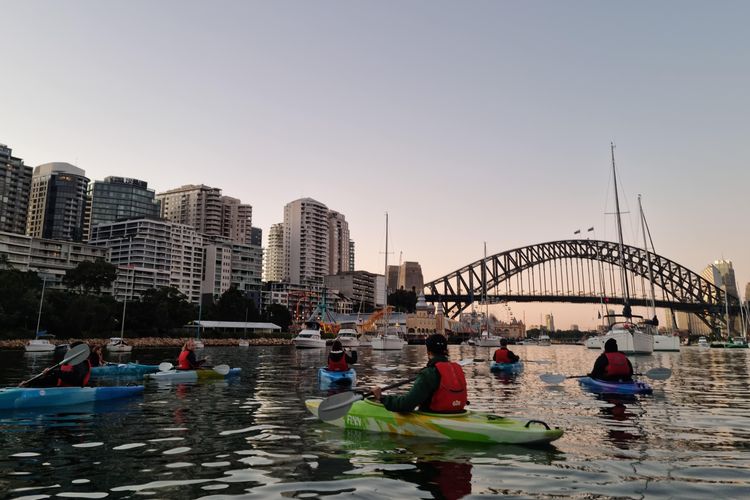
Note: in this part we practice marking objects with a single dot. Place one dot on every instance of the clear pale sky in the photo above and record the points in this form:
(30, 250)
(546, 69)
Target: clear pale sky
(467, 121)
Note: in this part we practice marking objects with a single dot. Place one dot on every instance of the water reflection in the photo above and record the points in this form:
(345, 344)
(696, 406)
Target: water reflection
(253, 438)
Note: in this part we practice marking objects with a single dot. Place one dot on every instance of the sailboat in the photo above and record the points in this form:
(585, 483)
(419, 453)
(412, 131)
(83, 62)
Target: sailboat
(118, 344)
(389, 339)
(661, 342)
(486, 339)
(629, 336)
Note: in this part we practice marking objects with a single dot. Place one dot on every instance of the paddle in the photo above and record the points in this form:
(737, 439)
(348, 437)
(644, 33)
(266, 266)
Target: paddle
(338, 405)
(653, 373)
(75, 356)
(221, 369)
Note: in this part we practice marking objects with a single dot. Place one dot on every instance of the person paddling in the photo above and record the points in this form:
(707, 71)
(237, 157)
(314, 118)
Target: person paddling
(96, 358)
(504, 355)
(65, 375)
(612, 365)
(338, 359)
(187, 359)
(439, 388)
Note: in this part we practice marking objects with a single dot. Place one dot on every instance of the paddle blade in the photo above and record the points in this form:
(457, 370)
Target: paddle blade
(552, 378)
(165, 367)
(659, 373)
(221, 369)
(337, 405)
(77, 355)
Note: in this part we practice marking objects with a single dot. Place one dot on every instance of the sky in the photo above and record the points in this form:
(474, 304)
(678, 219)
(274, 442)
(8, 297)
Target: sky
(468, 122)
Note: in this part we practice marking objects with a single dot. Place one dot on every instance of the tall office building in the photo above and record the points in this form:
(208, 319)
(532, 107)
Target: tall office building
(205, 209)
(725, 272)
(306, 242)
(410, 276)
(15, 186)
(256, 236)
(338, 243)
(392, 278)
(549, 321)
(57, 202)
(118, 198)
(273, 259)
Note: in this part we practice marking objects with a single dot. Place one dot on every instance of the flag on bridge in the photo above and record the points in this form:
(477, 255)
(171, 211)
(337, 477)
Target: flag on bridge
(599, 315)
(577, 231)
(589, 229)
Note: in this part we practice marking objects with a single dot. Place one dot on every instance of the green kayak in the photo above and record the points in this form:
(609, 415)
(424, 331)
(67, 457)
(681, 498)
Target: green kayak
(468, 426)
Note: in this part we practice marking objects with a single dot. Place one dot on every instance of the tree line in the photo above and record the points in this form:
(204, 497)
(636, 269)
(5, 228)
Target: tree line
(83, 311)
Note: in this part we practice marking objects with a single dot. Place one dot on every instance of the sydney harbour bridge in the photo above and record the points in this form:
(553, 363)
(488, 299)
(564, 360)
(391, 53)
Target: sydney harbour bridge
(582, 272)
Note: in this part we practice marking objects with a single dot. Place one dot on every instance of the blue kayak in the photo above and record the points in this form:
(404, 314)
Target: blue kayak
(604, 387)
(13, 398)
(123, 370)
(329, 378)
(516, 367)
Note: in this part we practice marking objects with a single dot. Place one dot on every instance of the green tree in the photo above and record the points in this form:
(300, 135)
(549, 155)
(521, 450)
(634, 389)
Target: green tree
(233, 305)
(280, 315)
(19, 300)
(88, 276)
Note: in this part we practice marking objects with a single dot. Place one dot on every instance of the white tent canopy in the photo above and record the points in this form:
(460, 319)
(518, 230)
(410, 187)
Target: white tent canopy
(239, 325)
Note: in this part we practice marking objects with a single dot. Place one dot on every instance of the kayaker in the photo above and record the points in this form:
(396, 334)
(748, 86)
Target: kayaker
(65, 375)
(504, 355)
(612, 365)
(440, 387)
(338, 359)
(187, 359)
(96, 358)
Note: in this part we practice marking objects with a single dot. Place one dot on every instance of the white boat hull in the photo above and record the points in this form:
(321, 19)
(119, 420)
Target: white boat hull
(593, 343)
(244, 343)
(309, 343)
(348, 338)
(635, 342)
(487, 341)
(388, 343)
(119, 348)
(666, 343)
(39, 346)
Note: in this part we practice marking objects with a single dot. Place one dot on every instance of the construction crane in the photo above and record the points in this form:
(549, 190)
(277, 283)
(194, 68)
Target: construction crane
(370, 323)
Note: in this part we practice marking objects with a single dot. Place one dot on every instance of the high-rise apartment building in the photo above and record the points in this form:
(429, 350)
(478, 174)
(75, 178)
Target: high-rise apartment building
(15, 186)
(205, 209)
(57, 202)
(118, 198)
(228, 264)
(351, 255)
(153, 254)
(359, 286)
(338, 243)
(410, 276)
(306, 242)
(273, 260)
(256, 236)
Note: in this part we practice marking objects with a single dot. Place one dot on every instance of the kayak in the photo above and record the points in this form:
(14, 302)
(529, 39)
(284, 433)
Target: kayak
(516, 367)
(192, 375)
(26, 397)
(604, 387)
(470, 425)
(123, 370)
(330, 378)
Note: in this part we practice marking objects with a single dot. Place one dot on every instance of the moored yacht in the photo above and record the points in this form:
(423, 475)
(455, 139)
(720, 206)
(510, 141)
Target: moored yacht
(630, 339)
(594, 342)
(666, 342)
(392, 340)
(702, 342)
(309, 337)
(348, 337)
(487, 340)
(118, 344)
(40, 344)
(544, 339)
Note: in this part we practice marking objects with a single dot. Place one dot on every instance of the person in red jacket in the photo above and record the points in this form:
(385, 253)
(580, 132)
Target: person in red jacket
(338, 359)
(65, 375)
(187, 360)
(504, 355)
(612, 365)
(439, 388)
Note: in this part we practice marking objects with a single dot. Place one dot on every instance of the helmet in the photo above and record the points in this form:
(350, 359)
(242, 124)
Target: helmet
(437, 344)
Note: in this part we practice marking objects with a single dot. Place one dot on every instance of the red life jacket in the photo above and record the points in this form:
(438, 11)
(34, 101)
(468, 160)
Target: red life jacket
(451, 395)
(617, 365)
(338, 366)
(182, 361)
(502, 356)
(70, 369)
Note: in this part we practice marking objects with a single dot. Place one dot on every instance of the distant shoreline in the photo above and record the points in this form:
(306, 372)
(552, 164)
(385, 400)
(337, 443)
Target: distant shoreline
(156, 342)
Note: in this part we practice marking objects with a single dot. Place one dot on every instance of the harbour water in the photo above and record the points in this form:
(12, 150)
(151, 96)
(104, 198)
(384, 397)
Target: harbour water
(252, 438)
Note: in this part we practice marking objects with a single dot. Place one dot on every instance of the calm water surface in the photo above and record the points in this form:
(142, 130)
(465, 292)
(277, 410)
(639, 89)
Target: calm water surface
(252, 438)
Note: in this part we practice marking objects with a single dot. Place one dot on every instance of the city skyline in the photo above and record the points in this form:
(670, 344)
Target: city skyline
(421, 114)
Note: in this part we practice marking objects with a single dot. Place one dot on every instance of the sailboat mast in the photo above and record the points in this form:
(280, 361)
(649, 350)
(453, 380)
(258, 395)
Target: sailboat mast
(385, 291)
(623, 274)
(648, 258)
(484, 286)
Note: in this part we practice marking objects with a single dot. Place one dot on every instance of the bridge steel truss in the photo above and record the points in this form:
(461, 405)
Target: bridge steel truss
(593, 265)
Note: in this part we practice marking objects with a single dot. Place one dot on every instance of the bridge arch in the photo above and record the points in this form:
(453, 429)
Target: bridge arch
(515, 275)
